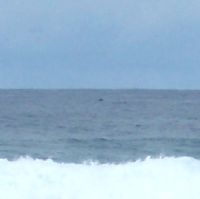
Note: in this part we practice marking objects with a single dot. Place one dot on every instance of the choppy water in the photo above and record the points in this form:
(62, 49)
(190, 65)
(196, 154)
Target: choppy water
(50, 139)
(104, 125)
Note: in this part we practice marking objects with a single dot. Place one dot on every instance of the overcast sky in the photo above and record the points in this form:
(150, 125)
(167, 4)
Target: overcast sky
(100, 44)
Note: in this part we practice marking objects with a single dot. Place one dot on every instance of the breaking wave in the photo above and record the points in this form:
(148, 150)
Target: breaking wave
(162, 178)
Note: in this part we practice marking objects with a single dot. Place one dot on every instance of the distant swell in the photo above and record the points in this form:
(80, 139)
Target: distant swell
(163, 178)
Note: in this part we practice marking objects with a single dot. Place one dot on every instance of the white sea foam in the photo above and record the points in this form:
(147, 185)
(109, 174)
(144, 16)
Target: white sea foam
(164, 178)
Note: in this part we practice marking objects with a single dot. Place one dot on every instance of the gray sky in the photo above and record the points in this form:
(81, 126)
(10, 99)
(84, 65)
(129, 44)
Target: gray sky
(100, 44)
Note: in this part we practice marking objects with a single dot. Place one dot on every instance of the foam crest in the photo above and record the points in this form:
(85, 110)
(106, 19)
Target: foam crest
(163, 178)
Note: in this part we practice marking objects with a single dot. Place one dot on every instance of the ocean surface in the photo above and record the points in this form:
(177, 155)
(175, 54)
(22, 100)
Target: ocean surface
(99, 144)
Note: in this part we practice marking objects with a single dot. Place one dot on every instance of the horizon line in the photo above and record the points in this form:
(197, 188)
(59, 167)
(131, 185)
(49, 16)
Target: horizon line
(146, 89)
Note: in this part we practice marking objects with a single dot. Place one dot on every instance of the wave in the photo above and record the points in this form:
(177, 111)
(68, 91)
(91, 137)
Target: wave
(161, 178)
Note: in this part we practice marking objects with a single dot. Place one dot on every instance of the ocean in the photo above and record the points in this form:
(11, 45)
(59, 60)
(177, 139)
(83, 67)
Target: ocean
(99, 144)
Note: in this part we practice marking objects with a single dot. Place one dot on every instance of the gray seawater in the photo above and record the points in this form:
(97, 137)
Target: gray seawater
(99, 125)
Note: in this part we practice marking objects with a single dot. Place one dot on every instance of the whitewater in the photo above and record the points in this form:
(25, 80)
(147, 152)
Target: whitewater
(162, 178)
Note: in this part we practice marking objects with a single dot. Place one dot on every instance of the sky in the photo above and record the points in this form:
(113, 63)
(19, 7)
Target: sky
(100, 44)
